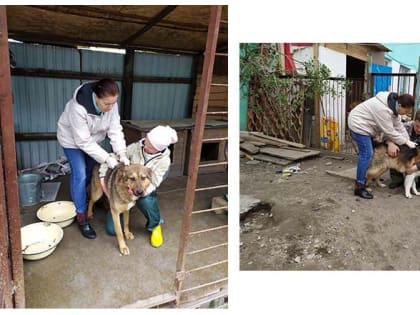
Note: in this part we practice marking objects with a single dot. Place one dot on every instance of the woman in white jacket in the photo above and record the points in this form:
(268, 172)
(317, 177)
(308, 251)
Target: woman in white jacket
(90, 116)
(378, 118)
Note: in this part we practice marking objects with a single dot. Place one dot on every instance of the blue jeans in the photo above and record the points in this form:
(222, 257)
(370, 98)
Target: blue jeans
(81, 166)
(364, 144)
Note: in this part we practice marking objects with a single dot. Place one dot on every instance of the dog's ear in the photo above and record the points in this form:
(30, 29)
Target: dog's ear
(149, 173)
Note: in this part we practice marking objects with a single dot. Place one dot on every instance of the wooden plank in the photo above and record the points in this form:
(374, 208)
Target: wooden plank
(249, 147)
(281, 141)
(289, 154)
(355, 50)
(271, 159)
(247, 137)
(257, 143)
(349, 173)
(205, 300)
(153, 301)
(244, 154)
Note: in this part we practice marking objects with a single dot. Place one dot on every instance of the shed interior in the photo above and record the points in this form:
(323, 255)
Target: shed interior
(48, 62)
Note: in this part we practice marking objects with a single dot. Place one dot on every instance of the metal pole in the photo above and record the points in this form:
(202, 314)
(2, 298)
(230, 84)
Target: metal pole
(197, 137)
(417, 90)
(7, 132)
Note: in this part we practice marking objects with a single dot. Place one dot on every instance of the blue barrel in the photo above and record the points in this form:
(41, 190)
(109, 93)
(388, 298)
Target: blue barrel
(29, 189)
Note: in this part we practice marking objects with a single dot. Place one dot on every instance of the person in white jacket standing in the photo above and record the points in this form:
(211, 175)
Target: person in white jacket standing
(89, 116)
(378, 118)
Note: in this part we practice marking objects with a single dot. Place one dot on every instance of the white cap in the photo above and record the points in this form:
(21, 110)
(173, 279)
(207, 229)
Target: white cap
(161, 137)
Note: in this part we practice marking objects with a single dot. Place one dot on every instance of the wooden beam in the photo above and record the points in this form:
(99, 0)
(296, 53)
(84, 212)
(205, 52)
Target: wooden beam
(317, 107)
(355, 50)
(93, 76)
(127, 84)
(29, 37)
(271, 159)
(156, 19)
(248, 137)
(94, 12)
(280, 141)
(153, 301)
(36, 136)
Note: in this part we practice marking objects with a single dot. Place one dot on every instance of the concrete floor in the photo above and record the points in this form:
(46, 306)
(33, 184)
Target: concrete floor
(84, 273)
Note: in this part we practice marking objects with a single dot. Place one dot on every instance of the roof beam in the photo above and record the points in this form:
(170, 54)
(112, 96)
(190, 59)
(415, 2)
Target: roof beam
(96, 13)
(149, 25)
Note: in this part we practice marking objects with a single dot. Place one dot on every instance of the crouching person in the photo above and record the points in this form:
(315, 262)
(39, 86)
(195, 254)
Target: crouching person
(152, 152)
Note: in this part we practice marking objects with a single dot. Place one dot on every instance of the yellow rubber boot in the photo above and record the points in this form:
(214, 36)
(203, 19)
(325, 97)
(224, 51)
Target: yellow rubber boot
(156, 238)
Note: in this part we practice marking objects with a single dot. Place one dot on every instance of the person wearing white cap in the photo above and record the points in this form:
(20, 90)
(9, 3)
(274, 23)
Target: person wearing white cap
(153, 152)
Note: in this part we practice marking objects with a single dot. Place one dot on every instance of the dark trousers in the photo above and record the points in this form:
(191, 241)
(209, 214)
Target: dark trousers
(149, 206)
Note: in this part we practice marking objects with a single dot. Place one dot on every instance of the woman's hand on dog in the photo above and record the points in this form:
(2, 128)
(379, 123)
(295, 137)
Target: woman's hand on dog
(125, 161)
(111, 161)
(392, 149)
(123, 158)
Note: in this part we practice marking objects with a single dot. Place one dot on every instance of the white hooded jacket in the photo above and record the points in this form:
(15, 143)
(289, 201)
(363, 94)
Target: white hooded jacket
(374, 118)
(80, 127)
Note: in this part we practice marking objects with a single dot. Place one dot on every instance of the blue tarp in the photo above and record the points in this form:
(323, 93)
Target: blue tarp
(381, 83)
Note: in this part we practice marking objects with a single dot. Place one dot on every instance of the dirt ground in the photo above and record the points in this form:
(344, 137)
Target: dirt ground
(316, 223)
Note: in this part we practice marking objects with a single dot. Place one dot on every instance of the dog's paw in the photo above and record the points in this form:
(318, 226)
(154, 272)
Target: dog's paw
(417, 193)
(124, 250)
(382, 185)
(128, 235)
(409, 196)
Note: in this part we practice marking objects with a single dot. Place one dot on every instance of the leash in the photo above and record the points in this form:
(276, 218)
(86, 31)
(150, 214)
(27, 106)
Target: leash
(103, 185)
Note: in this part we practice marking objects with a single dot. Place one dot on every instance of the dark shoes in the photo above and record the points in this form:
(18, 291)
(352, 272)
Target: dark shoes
(87, 231)
(394, 185)
(360, 190)
(84, 226)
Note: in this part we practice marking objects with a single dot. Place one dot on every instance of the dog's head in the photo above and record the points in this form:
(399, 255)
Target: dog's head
(137, 179)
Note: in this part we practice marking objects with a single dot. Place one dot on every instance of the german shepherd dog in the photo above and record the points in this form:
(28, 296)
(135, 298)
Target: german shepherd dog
(124, 185)
(381, 161)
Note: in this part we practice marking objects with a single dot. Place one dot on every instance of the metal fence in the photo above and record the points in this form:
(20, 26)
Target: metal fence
(287, 111)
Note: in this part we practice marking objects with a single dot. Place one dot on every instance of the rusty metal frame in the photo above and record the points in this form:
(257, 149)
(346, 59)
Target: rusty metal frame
(9, 203)
(194, 162)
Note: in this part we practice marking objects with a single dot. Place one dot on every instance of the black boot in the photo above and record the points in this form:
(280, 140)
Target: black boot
(360, 190)
(85, 227)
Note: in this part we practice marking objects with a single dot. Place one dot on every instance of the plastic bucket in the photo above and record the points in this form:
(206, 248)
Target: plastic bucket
(29, 189)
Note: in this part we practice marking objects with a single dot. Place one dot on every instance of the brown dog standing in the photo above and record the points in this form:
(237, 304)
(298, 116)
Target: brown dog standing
(381, 161)
(124, 185)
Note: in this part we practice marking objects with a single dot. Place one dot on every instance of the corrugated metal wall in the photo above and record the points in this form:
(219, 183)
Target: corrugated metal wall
(102, 62)
(39, 101)
(161, 100)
